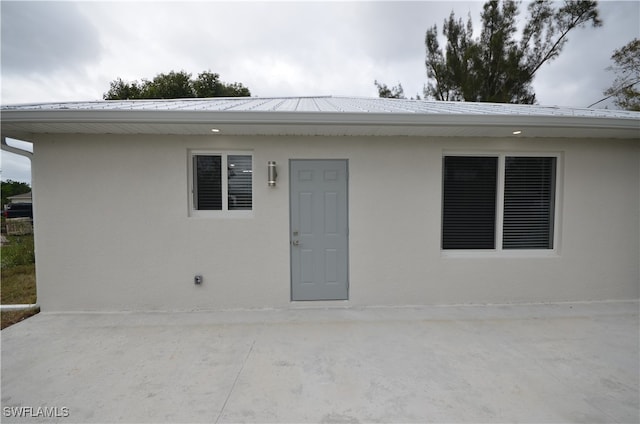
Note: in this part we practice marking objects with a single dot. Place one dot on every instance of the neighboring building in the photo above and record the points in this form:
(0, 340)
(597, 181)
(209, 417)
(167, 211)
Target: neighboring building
(20, 198)
(376, 202)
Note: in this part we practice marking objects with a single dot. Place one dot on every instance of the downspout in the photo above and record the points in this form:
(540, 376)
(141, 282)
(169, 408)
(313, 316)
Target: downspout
(17, 151)
(28, 155)
(19, 307)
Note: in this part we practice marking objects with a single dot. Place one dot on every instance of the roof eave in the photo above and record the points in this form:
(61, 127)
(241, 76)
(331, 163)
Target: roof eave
(22, 122)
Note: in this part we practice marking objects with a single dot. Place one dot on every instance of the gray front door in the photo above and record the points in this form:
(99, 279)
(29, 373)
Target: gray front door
(319, 230)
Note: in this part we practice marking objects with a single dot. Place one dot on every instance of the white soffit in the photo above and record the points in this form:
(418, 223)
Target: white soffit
(316, 116)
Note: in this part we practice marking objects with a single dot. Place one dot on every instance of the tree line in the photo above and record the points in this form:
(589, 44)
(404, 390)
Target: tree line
(175, 85)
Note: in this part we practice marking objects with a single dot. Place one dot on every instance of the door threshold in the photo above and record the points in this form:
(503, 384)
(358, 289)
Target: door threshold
(315, 304)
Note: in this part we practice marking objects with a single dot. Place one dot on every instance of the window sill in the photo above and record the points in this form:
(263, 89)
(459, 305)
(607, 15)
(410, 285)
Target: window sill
(221, 214)
(500, 254)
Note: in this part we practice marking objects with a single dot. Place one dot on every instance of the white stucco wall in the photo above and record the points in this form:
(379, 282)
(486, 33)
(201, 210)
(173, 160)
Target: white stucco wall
(113, 231)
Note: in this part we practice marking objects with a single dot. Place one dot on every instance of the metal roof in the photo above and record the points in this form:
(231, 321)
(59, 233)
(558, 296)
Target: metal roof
(323, 115)
(326, 104)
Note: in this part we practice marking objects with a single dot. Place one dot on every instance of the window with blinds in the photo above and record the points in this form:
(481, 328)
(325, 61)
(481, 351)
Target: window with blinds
(472, 219)
(215, 190)
(207, 182)
(239, 182)
(529, 197)
(469, 204)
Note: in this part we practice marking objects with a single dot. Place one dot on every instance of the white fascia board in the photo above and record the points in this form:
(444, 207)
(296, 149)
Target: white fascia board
(321, 119)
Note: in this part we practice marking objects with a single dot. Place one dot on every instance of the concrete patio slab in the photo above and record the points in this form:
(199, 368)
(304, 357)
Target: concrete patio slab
(568, 362)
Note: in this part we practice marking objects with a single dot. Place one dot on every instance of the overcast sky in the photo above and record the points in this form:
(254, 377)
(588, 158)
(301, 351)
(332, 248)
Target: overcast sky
(65, 51)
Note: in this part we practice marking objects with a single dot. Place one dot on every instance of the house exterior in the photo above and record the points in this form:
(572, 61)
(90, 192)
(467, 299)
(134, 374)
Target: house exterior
(20, 198)
(226, 203)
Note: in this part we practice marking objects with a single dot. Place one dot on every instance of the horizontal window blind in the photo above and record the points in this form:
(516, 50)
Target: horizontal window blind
(529, 195)
(469, 202)
(239, 182)
(207, 182)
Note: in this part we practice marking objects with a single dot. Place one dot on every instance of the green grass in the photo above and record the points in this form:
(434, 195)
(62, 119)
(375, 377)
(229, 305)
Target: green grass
(18, 252)
(18, 284)
(18, 269)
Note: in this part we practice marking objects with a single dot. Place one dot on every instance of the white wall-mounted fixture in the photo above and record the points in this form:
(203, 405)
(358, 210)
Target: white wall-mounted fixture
(272, 173)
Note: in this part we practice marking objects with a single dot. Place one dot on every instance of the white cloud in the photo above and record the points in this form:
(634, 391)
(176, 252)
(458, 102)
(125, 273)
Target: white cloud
(15, 167)
(579, 76)
(274, 48)
(45, 37)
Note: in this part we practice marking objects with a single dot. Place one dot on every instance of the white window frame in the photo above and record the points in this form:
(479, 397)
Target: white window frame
(224, 212)
(499, 251)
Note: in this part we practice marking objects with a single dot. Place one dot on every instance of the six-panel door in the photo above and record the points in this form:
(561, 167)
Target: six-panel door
(319, 229)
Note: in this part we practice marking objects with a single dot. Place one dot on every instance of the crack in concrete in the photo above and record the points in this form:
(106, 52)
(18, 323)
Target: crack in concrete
(233, 386)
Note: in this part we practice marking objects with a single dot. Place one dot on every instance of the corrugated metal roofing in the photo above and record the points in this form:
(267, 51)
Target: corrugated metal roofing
(327, 104)
(321, 116)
